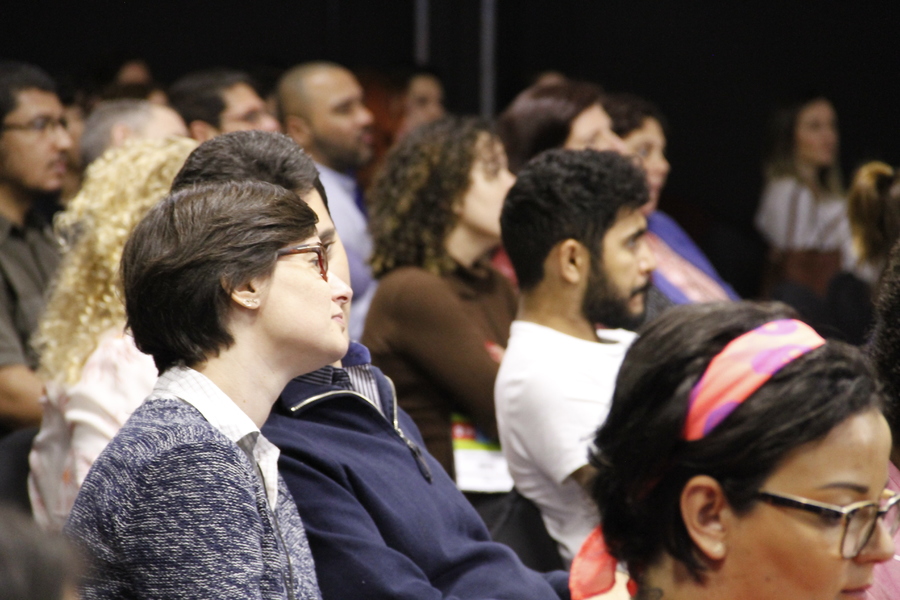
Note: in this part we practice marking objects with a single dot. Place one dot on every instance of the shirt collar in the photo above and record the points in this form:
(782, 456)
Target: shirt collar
(222, 413)
(357, 354)
(345, 180)
(32, 221)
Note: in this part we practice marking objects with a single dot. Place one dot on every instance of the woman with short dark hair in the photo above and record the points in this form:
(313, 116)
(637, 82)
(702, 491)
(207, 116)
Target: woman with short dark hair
(565, 114)
(227, 288)
(743, 457)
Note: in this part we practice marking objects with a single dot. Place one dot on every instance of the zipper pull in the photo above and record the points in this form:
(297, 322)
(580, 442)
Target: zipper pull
(420, 459)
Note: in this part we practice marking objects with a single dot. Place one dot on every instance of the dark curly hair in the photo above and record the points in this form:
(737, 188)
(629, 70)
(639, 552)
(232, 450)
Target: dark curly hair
(414, 196)
(642, 461)
(884, 348)
(566, 194)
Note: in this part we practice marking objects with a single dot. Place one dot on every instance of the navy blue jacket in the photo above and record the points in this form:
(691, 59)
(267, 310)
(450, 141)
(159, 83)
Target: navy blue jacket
(383, 518)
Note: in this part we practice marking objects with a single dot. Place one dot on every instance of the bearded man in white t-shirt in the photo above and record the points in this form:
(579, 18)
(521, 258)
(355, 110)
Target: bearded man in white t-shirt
(576, 239)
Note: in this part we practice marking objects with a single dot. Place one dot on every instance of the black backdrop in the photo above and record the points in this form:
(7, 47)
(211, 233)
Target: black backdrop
(716, 68)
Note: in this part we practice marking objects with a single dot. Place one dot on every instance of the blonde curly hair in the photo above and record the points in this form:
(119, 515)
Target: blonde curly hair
(85, 301)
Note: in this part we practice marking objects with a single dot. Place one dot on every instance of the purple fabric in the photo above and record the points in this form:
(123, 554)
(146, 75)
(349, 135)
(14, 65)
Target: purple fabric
(666, 229)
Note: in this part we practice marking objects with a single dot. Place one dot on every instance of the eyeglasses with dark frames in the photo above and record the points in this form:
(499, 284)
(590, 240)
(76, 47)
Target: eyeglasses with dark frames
(318, 249)
(41, 125)
(858, 519)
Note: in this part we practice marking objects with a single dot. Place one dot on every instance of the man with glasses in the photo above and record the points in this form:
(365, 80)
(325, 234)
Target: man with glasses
(33, 142)
(218, 101)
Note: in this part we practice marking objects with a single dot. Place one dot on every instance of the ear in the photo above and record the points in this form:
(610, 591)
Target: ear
(571, 260)
(705, 512)
(248, 295)
(298, 129)
(119, 133)
(202, 131)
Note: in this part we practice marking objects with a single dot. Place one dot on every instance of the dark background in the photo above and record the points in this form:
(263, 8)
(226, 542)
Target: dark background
(716, 69)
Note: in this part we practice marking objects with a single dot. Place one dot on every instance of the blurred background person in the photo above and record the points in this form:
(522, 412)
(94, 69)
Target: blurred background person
(568, 114)
(873, 206)
(399, 100)
(33, 145)
(422, 102)
(803, 216)
(95, 377)
(217, 101)
(702, 497)
(113, 122)
(135, 81)
(35, 565)
(441, 315)
(321, 108)
(802, 212)
(683, 273)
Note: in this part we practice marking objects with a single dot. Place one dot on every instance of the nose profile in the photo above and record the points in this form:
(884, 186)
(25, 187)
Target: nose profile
(616, 144)
(341, 293)
(270, 123)
(364, 116)
(647, 260)
(880, 547)
(63, 138)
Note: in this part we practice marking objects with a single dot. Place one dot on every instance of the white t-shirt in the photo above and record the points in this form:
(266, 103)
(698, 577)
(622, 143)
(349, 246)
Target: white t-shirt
(552, 393)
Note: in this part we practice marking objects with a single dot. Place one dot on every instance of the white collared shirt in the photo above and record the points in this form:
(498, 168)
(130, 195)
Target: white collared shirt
(222, 413)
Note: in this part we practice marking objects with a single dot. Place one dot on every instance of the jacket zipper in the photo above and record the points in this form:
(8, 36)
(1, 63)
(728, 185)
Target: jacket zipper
(413, 447)
(417, 452)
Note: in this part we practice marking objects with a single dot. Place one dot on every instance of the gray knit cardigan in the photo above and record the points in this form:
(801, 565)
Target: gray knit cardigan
(174, 509)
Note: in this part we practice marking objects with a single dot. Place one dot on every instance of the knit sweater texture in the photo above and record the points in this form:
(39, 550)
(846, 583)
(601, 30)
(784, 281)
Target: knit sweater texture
(174, 509)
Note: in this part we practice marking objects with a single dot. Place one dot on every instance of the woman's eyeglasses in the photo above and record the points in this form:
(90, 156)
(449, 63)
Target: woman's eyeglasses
(858, 519)
(318, 249)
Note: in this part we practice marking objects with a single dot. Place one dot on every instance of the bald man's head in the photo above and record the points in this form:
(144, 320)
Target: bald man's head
(321, 106)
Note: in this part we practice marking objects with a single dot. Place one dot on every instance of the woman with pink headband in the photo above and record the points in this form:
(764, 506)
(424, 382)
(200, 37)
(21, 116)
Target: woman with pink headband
(743, 458)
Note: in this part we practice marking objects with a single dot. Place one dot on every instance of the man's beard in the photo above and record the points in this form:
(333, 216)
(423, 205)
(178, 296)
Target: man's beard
(344, 157)
(603, 305)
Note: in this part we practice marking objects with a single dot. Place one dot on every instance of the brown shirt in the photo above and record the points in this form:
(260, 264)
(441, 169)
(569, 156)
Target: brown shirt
(433, 336)
(29, 256)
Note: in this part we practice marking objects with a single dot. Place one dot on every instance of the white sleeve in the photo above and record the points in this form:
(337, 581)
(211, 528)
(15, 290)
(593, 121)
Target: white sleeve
(787, 215)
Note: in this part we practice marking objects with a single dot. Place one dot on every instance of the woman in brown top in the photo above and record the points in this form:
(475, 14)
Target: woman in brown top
(441, 315)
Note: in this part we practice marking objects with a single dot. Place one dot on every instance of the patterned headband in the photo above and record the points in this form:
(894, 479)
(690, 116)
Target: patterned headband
(741, 368)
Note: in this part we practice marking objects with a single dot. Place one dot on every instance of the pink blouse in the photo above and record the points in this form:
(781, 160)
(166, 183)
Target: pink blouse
(80, 420)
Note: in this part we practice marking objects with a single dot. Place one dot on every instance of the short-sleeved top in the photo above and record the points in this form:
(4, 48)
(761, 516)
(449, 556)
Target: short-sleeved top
(553, 391)
(29, 256)
(790, 217)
